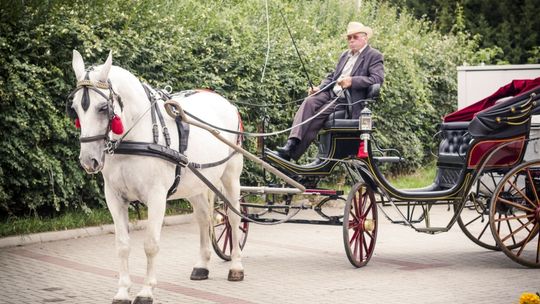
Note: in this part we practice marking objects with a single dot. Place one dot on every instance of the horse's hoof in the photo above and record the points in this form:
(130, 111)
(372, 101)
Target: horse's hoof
(121, 302)
(199, 274)
(143, 300)
(236, 275)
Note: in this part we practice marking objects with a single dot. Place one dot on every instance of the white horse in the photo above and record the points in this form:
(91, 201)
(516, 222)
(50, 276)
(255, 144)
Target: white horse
(147, 179)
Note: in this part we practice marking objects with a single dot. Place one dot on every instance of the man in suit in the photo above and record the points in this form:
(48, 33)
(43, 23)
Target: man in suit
(358, 68)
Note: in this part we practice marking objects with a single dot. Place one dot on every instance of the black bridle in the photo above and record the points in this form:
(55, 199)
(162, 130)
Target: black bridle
(96, 86)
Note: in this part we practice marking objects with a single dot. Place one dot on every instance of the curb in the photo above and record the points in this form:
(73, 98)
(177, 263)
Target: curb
(27, 239)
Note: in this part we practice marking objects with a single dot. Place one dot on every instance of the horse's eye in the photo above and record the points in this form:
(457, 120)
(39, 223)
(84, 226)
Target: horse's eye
(104, 108)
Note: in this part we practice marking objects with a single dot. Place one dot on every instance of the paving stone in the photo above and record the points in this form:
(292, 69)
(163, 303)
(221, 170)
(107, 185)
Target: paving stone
(287, 263)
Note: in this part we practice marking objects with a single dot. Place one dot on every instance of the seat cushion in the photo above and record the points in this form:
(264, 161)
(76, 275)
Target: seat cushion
(337, 120)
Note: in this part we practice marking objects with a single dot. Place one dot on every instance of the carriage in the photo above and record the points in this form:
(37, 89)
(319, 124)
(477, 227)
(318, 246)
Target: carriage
(481, 179)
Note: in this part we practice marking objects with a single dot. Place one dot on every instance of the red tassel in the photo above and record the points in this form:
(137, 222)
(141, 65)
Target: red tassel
(77, 123)
(116, 125)
(361, 153)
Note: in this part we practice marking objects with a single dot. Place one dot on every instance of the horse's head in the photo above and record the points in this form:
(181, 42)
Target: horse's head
(92, 107)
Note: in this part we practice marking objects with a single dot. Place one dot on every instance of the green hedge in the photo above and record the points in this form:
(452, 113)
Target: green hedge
(219, 45)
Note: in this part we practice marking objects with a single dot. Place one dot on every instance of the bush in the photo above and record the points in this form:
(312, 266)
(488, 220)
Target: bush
(218, 45)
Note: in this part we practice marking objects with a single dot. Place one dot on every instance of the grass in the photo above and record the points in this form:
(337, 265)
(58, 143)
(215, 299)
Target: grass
(421, 178)
(78, 219)
(95, 217)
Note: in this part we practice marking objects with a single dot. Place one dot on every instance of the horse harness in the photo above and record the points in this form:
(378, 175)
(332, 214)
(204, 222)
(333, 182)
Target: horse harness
(153, 149)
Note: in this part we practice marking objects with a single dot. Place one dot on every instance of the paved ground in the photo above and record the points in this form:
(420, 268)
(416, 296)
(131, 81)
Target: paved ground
(288, 263)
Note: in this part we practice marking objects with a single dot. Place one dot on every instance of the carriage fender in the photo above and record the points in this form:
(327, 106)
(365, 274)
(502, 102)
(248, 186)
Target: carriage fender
(365, 175)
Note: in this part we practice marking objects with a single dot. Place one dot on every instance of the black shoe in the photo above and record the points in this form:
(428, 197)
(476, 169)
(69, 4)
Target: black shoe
(286, 151)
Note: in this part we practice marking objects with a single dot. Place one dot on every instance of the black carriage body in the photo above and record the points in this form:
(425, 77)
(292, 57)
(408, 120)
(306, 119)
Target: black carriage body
(338, 140)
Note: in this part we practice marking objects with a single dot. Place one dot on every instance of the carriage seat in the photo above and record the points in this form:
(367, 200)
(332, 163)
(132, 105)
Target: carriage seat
(455, 141)
(342, 117)
(337, 120)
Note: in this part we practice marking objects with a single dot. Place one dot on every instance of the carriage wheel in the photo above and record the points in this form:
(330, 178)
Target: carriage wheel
(474, 217)
(360, 224)
(222, 231)
(515, 214)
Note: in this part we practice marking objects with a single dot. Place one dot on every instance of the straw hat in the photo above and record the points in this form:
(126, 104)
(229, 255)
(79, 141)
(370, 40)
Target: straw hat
(357, 27)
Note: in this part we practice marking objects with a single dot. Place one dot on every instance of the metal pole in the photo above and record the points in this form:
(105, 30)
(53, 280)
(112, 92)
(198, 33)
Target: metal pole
(170, 104)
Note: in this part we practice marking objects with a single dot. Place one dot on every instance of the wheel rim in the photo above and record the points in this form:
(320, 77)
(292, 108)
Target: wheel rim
(515, 214)
(222, 231)
(474, 218)
(360, 225)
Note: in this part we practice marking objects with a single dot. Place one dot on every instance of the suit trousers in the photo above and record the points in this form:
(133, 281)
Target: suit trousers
(307, 132)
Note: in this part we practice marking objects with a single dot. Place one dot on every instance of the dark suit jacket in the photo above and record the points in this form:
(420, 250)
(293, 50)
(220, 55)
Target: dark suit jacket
(367, 70)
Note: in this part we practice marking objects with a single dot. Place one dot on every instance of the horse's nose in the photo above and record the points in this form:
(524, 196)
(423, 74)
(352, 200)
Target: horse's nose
(95, 164)
(91, 165)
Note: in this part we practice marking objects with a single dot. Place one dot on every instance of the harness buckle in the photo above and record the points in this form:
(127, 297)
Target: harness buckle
(110, 147)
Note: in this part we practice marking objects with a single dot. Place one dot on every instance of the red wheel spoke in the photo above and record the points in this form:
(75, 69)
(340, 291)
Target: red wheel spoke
(499, 225)
(353, 225)
(514, 217)
(364, 203)
(219, 225)
(368, 209)
(360, 242)
(354, 236)
(526, 241)
(533, 186)
(355, 246)
(355, 218)
(514, 233)
(524, 224)
(357, 208)
(365, 245)
(518, 206)
(510, 229)
(523, 195)
(221, 235)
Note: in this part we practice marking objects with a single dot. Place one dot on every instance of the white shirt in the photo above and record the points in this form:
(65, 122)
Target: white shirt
(347, 69)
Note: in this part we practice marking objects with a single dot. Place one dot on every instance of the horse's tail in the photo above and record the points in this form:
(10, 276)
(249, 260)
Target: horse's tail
(240, 137)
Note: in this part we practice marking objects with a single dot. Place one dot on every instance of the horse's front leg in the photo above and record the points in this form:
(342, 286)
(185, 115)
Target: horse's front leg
(156, 211)
(119, 212)
(201, 209)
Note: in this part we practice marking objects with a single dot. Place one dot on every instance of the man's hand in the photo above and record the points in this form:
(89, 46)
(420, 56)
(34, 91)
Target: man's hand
(345, 82)
(313, 90)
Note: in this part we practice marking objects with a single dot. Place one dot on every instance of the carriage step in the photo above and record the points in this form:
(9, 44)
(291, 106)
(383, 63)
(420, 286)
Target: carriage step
(266, 206)
(431, 230)
(270, 190)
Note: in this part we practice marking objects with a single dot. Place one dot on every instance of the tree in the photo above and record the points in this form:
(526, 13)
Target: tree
(511, 25)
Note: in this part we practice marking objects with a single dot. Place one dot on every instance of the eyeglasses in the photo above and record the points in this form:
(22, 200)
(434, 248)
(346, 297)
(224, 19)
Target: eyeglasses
(355, 36)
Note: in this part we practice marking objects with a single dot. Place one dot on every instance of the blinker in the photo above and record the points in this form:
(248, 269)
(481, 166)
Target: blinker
(117, 127)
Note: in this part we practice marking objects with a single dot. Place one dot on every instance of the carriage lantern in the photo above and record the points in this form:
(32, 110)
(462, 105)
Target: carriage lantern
(365, 126)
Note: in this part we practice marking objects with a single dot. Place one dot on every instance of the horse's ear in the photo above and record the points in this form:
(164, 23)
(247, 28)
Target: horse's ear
(78, 65)
(104, 74)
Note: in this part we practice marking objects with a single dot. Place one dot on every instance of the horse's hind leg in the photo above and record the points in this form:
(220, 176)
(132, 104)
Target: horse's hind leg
(119, 212)
(231, 185)
(201, 208)
(156, 211)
